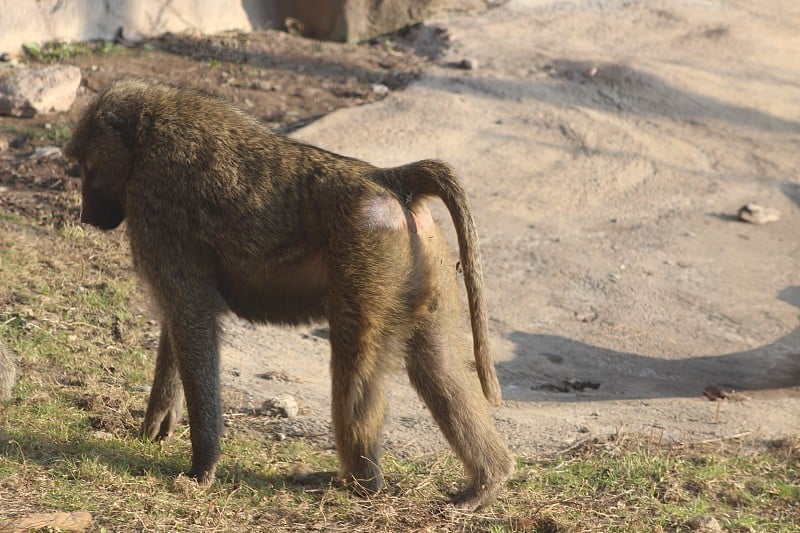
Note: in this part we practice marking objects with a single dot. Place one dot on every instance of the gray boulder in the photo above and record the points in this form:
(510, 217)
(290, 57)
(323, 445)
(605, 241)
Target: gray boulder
(30, 91)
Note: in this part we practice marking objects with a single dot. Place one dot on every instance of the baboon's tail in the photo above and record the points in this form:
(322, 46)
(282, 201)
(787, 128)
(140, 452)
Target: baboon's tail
(436, 178)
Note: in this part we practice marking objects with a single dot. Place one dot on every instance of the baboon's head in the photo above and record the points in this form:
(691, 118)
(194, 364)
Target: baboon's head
(103, 144)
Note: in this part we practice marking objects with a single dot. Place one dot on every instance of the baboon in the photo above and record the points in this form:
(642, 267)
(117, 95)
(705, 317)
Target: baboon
(8, 372)
(223, 214)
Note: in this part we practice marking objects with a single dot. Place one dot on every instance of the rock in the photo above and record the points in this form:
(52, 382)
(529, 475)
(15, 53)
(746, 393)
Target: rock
(128, 37)
(102, 435)
(284, 406)
(353, 21)
(467, 64)
(62, 521)
(586, 316)
(26, 92)
(294, 26)
(45, 152)
(379, 89)
(704, 524)
(756, 214)
(714, 393)
(260, 85)
(8, 371)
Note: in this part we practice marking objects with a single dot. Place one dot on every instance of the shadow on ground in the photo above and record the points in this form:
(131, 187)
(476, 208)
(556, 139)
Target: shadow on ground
(616, 88)
(569, 370)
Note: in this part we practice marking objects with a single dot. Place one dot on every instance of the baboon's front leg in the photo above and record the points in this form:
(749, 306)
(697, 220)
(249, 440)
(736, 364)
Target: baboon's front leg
(195, 341)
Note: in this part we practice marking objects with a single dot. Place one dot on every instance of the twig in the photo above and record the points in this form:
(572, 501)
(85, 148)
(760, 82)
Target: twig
(574, 445)
(729, 437)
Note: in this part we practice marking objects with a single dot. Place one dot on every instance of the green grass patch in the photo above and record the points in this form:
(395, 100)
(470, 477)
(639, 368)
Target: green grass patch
(57, 133)
(54, 51)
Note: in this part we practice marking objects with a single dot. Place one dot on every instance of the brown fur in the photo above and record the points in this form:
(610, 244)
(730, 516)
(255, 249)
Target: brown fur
(222, 214)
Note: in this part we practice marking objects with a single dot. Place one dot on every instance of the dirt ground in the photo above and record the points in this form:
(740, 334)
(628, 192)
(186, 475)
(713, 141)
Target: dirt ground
(606, 146)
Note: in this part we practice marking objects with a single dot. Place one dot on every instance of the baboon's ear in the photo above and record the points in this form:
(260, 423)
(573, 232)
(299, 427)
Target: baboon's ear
(121, 125)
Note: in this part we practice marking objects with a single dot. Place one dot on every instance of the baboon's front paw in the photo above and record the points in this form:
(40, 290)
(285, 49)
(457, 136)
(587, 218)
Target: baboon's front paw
(364, 483)
(203, 476)
(159, 423)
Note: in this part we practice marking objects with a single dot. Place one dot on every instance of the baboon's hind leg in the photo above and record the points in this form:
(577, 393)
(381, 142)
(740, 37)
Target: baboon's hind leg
(359, 405)
(165, 406)
(462, 414)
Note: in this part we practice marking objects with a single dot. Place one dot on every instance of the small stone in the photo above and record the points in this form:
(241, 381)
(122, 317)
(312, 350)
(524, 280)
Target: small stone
(714, 393)
(379, 89)
(757, 214)
(5, 57)
(260, 85)
(294, 26)
(467, 64)
(284, 406)
(46, 152)
(102, 435)
(128, 37)
(704, 524)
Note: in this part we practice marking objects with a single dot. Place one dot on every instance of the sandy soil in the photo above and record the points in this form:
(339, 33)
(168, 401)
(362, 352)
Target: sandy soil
(607, 147)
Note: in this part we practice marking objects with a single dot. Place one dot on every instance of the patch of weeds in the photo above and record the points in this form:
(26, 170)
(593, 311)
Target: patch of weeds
(20, 130)
(107, 47)
(55, 51)
(58, 133)
(103, 297)
(666, 487)
(12, 217)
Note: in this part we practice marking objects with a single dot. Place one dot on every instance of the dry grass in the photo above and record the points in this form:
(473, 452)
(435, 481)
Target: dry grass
(72, 310)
